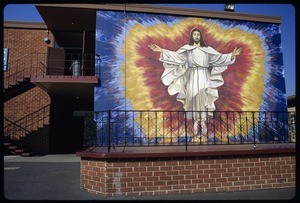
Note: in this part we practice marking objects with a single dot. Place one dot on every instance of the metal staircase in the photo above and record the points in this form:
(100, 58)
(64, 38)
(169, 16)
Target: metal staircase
(15, 132)
(17, 77)
(20, 77)
(18, 88)
(17, 81)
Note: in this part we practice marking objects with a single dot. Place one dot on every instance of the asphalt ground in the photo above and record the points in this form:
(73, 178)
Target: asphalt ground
(56, 177)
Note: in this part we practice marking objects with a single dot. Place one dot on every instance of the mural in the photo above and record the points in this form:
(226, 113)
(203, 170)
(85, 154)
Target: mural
(207, 75)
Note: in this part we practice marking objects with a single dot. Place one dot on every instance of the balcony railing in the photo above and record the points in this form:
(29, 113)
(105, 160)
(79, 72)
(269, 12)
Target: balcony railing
(168, 128)
(42, 64)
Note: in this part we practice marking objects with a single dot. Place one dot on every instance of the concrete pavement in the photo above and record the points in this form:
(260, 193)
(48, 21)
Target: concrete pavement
(56, 177)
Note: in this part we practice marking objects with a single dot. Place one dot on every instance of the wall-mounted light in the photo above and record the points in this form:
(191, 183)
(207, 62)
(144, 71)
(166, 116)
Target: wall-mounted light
(46, 39)
(229, 7)
(73, 22)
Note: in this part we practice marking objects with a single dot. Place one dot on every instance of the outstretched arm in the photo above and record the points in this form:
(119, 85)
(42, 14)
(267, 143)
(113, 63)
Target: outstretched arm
(236, 51)
(167, 56)
(155, 48)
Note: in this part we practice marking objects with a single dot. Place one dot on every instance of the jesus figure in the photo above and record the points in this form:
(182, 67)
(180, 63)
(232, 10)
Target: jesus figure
(194, 73)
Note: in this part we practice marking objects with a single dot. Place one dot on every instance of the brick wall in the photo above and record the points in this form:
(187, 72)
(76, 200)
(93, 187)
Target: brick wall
(38, 141)
(22, 39)
(26, 103)
(157, 176)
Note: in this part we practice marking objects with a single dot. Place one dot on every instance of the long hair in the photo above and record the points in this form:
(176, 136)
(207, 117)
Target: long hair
(191, 40)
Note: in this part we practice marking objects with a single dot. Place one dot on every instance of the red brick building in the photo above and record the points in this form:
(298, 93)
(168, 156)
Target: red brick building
(22, 39)
(41, 93)
(45, 97)
(40, 89)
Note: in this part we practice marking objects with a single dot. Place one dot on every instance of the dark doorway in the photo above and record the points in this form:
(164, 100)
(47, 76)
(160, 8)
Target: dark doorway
(66, 130)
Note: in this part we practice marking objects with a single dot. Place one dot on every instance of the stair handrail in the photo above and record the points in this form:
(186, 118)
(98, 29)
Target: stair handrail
(21, 57)
(16, 61)
(48, 105)
(13, 75)
(27, 122)
(14, 130)
(13, 123)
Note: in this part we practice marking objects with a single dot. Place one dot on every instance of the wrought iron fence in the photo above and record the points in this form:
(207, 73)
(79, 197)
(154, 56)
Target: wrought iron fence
(168, 128)
(42, 64)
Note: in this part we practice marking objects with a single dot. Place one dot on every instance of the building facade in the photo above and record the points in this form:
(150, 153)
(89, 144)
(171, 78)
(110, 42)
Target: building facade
(89, 58)
(22, 40)
(42, 92)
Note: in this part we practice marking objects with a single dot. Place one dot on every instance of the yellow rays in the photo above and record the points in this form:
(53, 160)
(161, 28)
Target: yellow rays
(253, 88)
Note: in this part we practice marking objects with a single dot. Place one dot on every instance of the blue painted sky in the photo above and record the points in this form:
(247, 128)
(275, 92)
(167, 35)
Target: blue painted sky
(28, 12)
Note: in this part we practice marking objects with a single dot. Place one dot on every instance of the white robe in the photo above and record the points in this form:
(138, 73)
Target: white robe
(194, 74)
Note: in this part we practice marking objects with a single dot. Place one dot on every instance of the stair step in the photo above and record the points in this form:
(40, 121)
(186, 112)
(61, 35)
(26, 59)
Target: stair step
(12, 147)
(27, 154)
(7, 144)
(20, 151)
(10, 84)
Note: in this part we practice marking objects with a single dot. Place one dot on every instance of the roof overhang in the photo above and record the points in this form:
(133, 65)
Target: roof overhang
(60, 18)
(68, 24)
(86, 13)
(68, 21)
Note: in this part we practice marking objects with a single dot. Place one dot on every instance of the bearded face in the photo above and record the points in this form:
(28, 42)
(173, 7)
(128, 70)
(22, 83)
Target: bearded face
(196, 37)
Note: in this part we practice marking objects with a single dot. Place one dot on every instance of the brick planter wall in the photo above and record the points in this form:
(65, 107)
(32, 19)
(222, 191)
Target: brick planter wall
(175, 175)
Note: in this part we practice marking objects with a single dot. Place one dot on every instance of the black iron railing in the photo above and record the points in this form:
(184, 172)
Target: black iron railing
(42, 64)
(168, 128)
(29, 123)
